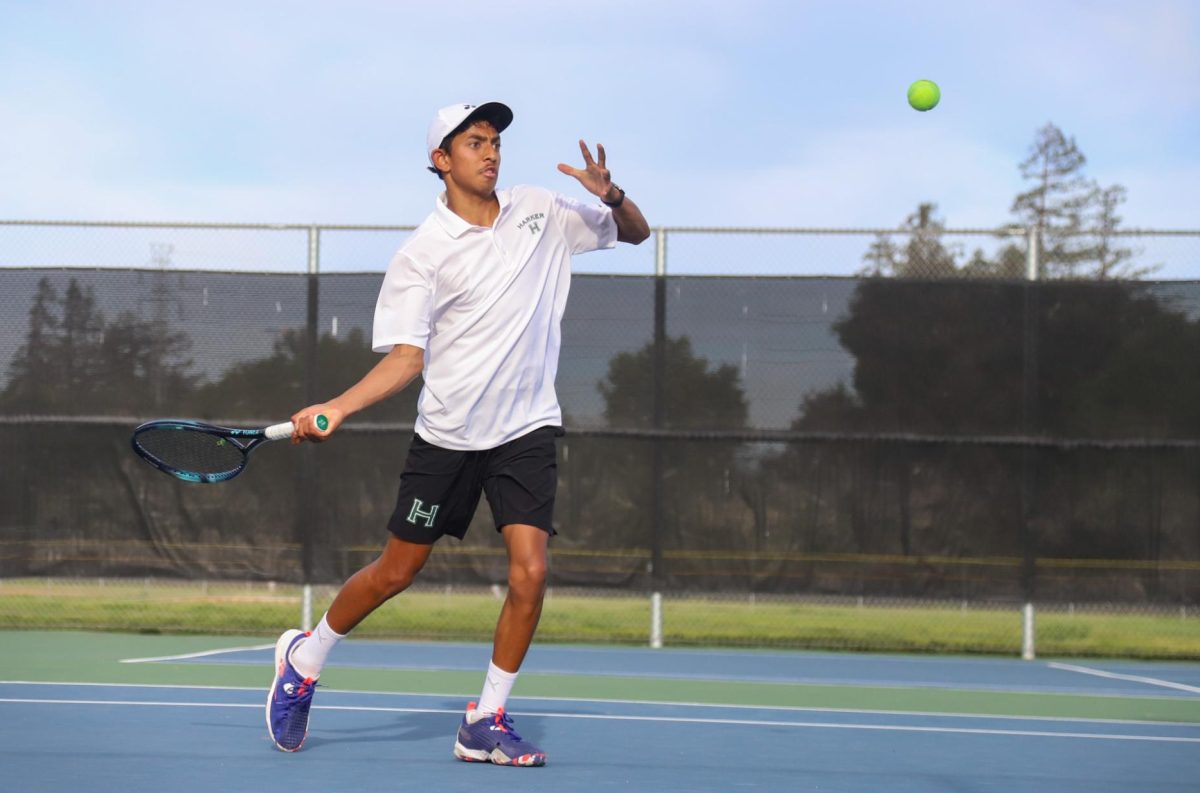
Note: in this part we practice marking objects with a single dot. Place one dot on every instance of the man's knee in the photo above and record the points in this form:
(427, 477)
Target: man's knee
(527, 577)
(390, 581)
(526, 560)
(394, 571)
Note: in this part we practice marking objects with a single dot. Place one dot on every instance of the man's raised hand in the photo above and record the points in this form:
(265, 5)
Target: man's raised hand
(595, 178)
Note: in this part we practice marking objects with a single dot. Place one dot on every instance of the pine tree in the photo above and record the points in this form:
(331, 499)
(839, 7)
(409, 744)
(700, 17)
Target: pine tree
(1112, 260)
(31, 370)
(81, 333)
(923, 256)
(1058, 200)
(882, 258)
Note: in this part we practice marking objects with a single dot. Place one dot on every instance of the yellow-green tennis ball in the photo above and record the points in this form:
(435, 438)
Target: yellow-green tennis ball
(924, 95)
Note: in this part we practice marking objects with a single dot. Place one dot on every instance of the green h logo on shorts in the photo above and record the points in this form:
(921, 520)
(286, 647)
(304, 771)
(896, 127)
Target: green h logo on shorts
(417, 512)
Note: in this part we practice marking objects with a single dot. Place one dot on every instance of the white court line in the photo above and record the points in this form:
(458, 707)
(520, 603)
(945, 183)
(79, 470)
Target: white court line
(1152, 681)
(186, 656)
(658, 703)
(658, 719)
(813, 681)
(690, 678)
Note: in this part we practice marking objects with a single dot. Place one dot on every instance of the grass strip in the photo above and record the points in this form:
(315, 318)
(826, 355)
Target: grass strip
(193, 608)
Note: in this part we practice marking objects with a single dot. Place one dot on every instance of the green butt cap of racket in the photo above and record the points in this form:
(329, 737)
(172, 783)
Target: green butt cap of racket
(322, 422)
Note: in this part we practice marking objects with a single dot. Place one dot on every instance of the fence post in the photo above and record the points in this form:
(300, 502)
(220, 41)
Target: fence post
(1029, 426)
(660, 251)
(307, 478)
(1028, 649)
(306, 611)
(656, 621)
(1033, 240)
(658, 407)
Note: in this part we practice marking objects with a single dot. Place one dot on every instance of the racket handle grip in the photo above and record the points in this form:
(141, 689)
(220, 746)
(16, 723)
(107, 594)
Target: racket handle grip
(278, 432)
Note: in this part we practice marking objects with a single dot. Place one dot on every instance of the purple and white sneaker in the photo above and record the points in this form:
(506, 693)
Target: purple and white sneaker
(490, 738)
(290, 697)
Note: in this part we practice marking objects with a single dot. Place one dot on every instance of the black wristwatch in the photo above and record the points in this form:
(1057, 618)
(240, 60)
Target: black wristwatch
(620, 199)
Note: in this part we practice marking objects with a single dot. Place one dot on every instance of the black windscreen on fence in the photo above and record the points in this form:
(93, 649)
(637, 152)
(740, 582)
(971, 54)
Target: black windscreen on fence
(876, 437)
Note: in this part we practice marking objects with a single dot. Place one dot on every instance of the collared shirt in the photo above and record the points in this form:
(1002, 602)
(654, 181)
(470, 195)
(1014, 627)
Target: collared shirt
(486, 305)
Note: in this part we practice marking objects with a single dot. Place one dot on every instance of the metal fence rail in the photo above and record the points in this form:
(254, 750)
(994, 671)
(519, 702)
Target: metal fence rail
(1001, 252)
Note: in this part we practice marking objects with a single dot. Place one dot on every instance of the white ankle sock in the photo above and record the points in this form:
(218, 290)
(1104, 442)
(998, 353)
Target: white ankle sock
(309, 655)
(496, 688)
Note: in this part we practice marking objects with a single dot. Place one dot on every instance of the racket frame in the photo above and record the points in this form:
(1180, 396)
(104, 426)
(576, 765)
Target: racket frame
(244, 440)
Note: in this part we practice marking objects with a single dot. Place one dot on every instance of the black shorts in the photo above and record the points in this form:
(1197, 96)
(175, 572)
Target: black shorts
(440, 488)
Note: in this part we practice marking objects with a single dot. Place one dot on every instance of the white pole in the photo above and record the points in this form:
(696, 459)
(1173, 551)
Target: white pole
(306, 614)
(660, 251)
(656, 624)
(314, 267)
(1027, 643)
(1031, 254)
(314, 250)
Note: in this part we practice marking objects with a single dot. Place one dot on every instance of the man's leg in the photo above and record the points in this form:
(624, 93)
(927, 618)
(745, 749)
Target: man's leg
(526, 589)
(299, 657)
(520, 614)
(368, 589)
(520, 482)
(479, 739)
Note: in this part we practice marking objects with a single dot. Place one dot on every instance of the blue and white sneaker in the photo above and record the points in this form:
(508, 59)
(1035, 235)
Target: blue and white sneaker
(290, 697)
(490, 738)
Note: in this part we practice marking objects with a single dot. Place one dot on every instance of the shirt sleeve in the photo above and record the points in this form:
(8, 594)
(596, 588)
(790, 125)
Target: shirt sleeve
(404, 307)
(587, 227)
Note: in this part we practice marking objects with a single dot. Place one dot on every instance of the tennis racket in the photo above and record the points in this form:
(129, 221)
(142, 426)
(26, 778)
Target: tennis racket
(198, 452)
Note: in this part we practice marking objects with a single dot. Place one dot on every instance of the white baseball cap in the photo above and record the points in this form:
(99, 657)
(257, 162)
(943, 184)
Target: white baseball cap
(449, 118)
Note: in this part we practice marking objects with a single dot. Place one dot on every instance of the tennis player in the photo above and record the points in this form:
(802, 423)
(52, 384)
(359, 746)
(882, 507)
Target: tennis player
(473, 301)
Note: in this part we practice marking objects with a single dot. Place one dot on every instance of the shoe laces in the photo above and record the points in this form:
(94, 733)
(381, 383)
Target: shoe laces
(504, 722)
(306, 688)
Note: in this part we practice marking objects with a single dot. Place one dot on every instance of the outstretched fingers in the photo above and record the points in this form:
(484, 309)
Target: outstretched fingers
(594, 175)
(587, 153)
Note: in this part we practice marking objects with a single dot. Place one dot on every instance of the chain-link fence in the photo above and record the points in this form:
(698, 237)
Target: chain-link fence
(868, 439)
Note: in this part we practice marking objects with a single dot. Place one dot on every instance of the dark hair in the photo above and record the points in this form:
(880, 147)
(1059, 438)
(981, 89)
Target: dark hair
(449, 139)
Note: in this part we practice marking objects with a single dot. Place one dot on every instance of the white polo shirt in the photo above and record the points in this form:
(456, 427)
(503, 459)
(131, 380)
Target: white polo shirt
(486, 305)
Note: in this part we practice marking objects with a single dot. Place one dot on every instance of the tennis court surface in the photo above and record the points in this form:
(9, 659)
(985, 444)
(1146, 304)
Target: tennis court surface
(134, 713)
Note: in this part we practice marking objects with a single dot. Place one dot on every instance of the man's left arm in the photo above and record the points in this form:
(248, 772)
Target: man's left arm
(597, 180)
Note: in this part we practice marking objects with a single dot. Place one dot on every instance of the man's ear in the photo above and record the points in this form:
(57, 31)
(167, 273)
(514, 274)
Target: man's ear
(441, 160)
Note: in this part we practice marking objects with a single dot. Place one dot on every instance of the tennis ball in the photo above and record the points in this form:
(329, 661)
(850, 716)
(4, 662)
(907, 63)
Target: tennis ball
(924, 95)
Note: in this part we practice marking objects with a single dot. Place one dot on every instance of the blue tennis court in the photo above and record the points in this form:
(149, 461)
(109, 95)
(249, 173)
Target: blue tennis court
(196, 735)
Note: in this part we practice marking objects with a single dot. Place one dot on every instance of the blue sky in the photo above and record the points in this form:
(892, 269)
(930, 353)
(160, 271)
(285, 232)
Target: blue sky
(713, 113)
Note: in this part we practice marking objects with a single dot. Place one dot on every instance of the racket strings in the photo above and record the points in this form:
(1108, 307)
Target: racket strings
(190, 450)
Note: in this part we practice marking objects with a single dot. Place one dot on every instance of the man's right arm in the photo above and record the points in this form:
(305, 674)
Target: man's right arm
(392, 374)
(631, 223)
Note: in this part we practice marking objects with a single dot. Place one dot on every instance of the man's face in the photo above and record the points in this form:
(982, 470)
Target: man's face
(474, 159)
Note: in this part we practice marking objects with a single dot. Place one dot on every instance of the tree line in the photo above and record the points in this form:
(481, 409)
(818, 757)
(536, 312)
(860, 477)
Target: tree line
(1074, 217)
